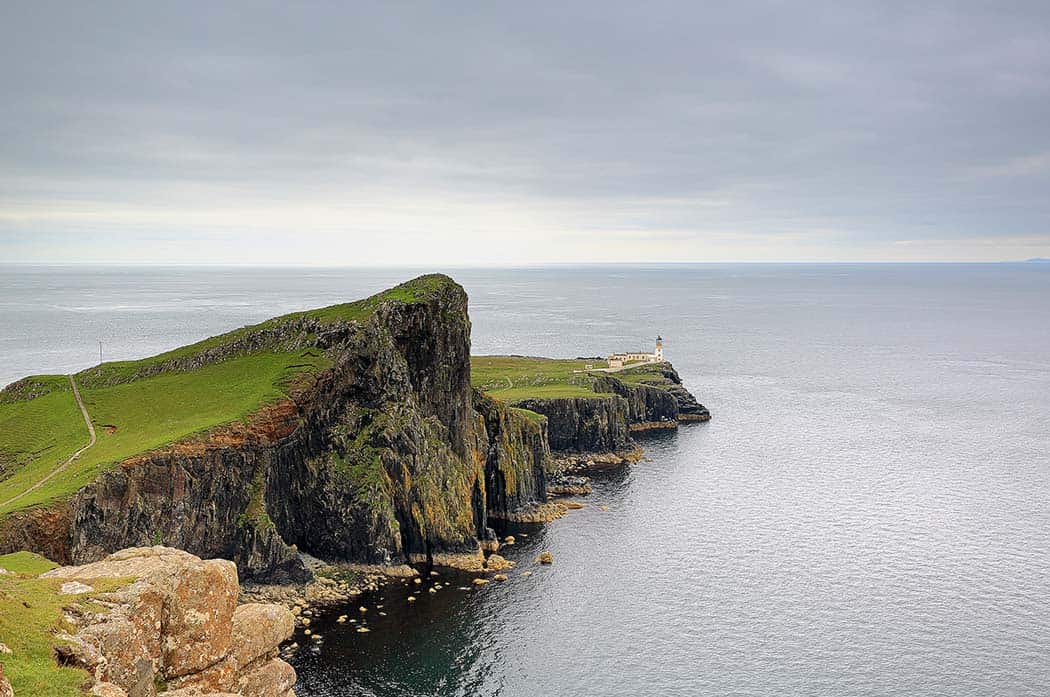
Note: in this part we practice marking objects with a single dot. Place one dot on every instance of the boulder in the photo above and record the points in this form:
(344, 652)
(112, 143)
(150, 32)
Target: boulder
(272, 679)
(5, 687)
(107, 689)
(176, 621)
(258, 630)
(496, 563)
(74, 588)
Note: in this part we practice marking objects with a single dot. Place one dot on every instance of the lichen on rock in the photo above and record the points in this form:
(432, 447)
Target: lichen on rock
(175, 623)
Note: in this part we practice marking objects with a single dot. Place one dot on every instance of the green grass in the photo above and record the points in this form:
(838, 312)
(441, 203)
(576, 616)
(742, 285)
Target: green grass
(530, 415)
(31, 612)
(136, 417)
(26, 563)
(643, 374)
(38, 434)
(514, 378)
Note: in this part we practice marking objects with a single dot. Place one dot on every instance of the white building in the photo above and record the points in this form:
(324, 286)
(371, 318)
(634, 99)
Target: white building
(619, 360)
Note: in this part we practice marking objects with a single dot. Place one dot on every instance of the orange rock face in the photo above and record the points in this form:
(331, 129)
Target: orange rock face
(178, 621)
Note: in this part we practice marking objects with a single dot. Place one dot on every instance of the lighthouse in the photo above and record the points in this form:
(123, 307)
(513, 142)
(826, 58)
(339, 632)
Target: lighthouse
(659, 348)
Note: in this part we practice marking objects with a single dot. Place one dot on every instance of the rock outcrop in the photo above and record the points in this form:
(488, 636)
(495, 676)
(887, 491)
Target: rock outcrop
(173, 628)
(593, 431)
(664, 377)
(596, 424)
(5, 687)
(647, 406)
(516, 453)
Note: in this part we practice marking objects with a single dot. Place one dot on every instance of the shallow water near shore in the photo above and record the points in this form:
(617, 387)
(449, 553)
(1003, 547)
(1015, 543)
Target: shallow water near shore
(868, 512)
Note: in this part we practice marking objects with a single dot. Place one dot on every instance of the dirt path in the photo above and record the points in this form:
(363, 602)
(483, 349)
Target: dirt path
(61, 468)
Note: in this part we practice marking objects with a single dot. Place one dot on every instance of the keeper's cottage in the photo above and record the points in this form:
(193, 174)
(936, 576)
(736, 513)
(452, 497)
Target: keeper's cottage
(619, 360)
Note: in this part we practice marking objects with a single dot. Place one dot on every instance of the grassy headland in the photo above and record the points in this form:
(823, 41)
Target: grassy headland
(137, 406)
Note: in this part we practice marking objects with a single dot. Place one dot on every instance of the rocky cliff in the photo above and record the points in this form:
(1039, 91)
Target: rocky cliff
(587, 429)
(516, 452)
(647, 407)
(596, 424)
(385, 456)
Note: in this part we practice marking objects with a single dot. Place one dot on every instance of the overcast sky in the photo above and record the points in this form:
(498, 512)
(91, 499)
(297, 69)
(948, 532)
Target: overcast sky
(523, 132)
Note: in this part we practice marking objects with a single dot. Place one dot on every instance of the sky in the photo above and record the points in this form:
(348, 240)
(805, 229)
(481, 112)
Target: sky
(358, 133)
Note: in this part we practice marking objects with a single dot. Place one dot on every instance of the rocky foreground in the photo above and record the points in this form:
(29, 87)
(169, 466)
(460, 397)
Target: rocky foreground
(172, 627)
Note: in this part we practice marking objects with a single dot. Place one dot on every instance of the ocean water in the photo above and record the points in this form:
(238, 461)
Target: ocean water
(868, 512)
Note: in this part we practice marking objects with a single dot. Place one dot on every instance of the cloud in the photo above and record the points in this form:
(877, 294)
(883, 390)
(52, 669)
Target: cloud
(695, 132)
(1023, 166)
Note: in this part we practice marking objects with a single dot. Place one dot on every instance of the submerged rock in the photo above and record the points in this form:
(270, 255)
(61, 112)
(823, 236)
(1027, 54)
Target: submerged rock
(496, 563)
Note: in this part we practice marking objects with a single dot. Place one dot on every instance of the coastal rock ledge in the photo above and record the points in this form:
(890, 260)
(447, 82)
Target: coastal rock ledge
(172, 628)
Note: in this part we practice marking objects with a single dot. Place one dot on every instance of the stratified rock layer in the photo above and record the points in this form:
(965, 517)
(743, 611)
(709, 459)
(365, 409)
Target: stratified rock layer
(584, 424)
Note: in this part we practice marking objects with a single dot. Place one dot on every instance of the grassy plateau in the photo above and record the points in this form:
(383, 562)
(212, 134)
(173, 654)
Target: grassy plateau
(514, 378)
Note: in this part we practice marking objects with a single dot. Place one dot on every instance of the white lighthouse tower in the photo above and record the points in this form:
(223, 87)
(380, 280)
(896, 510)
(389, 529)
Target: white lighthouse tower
(659, 348)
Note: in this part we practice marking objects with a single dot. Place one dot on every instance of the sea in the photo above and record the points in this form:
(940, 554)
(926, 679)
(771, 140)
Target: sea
(867, 513)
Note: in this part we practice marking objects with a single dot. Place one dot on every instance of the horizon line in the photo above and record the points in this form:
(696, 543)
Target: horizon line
(501, 265)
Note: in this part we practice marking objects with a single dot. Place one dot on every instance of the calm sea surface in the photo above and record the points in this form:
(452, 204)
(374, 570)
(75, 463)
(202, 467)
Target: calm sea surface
(868, 513)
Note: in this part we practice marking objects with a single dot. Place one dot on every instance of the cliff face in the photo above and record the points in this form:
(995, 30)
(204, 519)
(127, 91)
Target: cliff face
(516, 454)
(386, 455)
(584, 424)
(647, 407)
(664, 377)
(652, 398)
(381, 458)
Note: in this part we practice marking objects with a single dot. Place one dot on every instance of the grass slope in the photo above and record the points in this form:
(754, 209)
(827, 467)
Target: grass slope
(514, 378)
(141, 405)
(135, 417)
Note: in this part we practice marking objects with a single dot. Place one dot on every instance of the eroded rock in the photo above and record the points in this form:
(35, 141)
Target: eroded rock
(176, 621)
